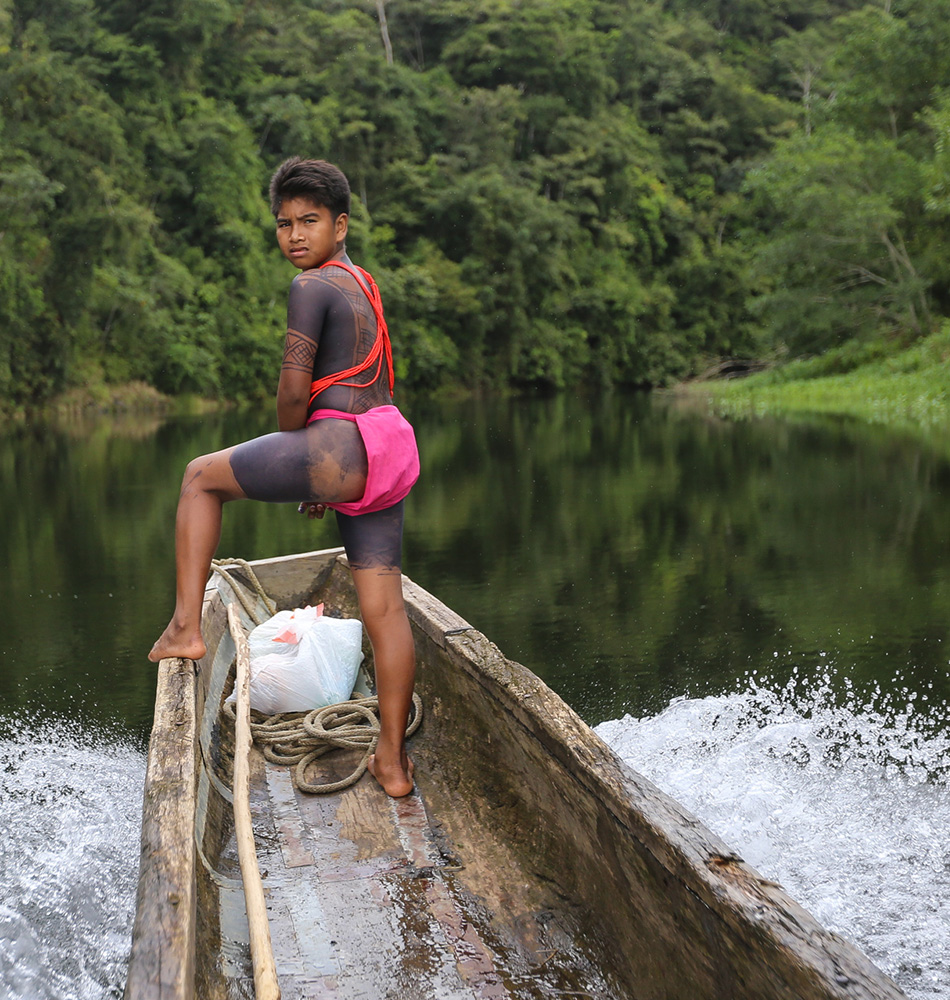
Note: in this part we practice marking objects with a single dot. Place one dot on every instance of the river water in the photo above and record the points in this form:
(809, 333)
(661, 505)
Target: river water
(754, 615)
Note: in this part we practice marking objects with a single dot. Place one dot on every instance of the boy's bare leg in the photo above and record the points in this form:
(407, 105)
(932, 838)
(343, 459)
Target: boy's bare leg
(207, 484)
(384, 616)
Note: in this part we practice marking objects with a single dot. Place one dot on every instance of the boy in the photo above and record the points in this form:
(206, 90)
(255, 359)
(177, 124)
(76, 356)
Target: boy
(340, 443)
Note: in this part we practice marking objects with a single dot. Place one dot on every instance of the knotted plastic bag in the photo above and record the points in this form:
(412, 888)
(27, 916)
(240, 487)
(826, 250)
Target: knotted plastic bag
(301, 660)
(283, 632)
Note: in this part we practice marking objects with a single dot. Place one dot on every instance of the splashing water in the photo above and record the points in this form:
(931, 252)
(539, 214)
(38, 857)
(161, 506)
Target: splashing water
(70, 813)
(843, 800)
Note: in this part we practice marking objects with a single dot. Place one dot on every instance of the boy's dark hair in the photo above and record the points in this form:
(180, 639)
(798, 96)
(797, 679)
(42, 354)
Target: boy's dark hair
(321, 182)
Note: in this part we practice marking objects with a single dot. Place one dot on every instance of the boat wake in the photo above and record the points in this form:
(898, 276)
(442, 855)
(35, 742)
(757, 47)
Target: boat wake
(70, 814)
(841, 798)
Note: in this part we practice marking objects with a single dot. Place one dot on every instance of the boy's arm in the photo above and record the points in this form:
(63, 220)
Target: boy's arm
(305, 314)
(293, 389)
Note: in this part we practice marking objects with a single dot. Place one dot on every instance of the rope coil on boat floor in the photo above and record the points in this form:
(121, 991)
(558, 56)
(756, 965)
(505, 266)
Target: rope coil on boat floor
(298, 739)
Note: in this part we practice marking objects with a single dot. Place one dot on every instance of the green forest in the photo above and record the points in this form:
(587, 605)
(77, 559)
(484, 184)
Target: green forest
(549, 192)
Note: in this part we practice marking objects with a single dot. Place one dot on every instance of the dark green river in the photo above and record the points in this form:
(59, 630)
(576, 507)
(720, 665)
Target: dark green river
(624, 550)
(630, 551)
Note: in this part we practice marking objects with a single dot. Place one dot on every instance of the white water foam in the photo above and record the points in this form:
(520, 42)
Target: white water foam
(70, 815)
(844, 800)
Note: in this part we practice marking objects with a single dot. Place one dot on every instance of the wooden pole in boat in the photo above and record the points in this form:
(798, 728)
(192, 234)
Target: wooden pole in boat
(266, 986)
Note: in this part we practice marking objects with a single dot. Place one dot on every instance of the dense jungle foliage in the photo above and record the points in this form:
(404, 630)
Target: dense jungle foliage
(549, 192)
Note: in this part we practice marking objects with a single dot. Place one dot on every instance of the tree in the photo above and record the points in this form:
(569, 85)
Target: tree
(835, 257)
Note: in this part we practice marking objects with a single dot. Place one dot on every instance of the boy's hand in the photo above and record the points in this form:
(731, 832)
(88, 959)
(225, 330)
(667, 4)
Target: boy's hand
(312, 509)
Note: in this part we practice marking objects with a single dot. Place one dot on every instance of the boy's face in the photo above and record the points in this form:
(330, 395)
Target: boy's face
(307, 233)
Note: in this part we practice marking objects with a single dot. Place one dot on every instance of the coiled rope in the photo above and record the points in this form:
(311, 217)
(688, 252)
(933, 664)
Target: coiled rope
(293, 738)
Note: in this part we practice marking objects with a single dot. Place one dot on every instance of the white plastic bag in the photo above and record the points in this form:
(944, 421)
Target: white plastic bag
(281, 633)
(301, 660)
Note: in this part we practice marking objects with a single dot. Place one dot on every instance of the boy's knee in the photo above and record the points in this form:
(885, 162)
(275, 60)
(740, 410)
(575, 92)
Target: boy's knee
(380, 596)
(196, 466)
(382, 608)
(210, 474)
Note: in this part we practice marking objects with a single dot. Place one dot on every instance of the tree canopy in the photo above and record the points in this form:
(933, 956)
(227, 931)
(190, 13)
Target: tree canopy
(549, 192)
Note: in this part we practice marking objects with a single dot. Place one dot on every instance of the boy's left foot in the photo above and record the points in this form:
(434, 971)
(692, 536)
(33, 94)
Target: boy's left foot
(395, 779)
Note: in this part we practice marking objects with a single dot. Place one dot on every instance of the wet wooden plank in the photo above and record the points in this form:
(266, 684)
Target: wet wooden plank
(370, 917)
(290, 825)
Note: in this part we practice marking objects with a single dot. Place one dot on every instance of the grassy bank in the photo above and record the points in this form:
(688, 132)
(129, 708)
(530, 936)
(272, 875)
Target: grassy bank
(99, 400)
(878, 382)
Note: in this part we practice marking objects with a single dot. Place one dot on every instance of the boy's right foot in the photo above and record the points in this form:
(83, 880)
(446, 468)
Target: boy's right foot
(177, 642)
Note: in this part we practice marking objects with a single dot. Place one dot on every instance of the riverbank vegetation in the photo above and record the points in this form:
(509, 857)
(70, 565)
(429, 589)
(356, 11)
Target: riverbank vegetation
(879, 382)
(549, 192)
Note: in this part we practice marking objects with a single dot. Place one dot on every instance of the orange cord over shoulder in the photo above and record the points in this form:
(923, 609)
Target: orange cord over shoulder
(381, 346)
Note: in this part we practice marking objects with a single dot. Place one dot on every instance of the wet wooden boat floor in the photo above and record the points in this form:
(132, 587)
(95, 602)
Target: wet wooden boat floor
(366, 901)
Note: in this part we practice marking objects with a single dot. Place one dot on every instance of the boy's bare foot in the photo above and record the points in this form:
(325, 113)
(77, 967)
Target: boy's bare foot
(178, 642)
(395, 779)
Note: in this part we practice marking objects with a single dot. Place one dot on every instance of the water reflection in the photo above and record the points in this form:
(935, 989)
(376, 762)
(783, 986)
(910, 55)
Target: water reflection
(630, 552)
(625, 550)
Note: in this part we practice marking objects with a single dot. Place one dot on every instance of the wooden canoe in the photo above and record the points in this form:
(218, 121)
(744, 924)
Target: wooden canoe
(530, 862)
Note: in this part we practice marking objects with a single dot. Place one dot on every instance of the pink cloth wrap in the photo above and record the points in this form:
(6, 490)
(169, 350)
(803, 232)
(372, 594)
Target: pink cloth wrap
(391, 453)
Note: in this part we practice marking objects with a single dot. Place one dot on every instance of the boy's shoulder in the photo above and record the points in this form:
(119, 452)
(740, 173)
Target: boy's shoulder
(326, 275)
(313, 281)
(310, 275)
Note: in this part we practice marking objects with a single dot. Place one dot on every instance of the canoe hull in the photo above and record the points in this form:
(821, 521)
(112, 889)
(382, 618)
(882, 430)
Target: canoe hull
(532, 861)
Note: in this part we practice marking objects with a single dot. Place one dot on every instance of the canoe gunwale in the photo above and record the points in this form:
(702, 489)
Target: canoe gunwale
(161, 964)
